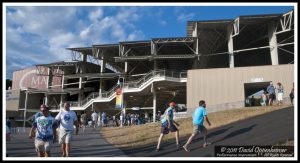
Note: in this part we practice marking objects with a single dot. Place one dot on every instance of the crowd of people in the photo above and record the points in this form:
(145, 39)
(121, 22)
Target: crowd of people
(44, 126)
(269, 96)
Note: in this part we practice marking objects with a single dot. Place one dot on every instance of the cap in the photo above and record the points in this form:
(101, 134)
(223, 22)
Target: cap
(172, 104)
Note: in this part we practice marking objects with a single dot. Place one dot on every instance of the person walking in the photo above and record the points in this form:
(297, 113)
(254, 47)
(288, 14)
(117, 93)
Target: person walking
(94, 119)
(67, 119)
(39, 113)
(292, 94)
(279, 93)
(199, 117)
(271, 91)
(104, 119)
(264, 99)
(46, 132)
(167, 124)
(83, 119)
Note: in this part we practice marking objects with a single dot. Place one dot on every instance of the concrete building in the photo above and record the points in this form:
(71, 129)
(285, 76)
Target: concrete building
(220, 61)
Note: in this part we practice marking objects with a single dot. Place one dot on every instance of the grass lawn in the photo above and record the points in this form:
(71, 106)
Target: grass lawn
(133, 136)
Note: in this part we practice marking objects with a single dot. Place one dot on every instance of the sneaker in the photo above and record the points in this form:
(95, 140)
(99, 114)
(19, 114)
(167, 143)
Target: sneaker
(186, 149)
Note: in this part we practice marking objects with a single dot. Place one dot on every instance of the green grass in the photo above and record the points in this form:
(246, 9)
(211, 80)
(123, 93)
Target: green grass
(133, 136)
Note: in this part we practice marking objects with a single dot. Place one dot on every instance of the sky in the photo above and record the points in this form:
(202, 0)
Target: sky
(41, 34)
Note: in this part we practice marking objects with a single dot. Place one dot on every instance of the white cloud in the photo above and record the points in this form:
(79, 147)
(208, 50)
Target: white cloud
(86, 32)
(136, 35)
(43, 20)
(38, 35)
(185, 17)
(96, 15)
(128, 14)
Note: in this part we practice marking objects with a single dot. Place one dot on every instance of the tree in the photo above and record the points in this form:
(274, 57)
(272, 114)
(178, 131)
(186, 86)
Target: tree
(8, 83)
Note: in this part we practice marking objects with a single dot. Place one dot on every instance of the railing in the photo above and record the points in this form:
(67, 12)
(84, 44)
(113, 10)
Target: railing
(73, 103)
(136, 84)
(107, 94)
(89, 97)
(153, 74)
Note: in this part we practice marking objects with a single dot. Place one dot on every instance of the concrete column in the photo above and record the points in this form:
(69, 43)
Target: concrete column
(47, 99)
(62, 95)
(84, 57)
(101, 80)
(155, 65)
(101, 87)
(103, 66)
(50, 78)
(80, 95)
(63, 81)
(154, 102)
(230, 48)
(273, 43)
(25, 109)
(126, 67)
(197, 45)
(61, 100)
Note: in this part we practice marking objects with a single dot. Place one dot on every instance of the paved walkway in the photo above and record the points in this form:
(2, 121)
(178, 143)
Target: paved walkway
(86, 144)
(267, 129)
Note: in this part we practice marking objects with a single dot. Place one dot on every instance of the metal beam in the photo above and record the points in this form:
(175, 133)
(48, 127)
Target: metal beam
(76, 56)
(291, 43)
(236, 27)
(174, 40)
(286, 51)
(262, 47)
(285, 23)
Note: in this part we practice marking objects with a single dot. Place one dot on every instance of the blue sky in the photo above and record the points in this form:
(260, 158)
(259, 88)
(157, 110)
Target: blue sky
(40, 34)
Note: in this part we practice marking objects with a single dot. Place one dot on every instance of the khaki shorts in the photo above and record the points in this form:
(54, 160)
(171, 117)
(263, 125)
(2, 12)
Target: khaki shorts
(280, 97)
(65, 136)
(42, 146)
(198, 128)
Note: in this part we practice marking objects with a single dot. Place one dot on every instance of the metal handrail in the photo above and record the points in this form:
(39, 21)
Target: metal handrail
(89, 97)
(136, 83)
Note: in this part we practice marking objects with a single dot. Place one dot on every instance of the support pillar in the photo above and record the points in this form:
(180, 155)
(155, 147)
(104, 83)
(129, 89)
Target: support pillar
(230, 48)
(47, 99)
(154, 102)
(126, 67)
(101, 87)
(25, 110)
(273, 43)
(80, 95)
(62, 95)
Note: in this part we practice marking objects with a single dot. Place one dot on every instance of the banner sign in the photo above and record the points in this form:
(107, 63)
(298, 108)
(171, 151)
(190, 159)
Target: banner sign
(119, 98)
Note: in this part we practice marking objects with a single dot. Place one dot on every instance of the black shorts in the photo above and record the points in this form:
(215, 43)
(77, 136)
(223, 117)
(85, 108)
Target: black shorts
(272, 96)
(166, 130)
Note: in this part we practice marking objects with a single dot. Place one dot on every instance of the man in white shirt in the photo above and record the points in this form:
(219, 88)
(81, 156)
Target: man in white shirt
(67, 119)
(94, 118)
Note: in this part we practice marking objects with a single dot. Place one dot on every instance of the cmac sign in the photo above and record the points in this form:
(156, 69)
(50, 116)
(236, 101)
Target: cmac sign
(28, 78)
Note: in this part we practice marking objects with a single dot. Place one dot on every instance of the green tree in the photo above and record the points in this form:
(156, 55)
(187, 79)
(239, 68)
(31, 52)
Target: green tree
(8, 83)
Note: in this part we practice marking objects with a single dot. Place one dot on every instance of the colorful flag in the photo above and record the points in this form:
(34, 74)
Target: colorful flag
(119, 99)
